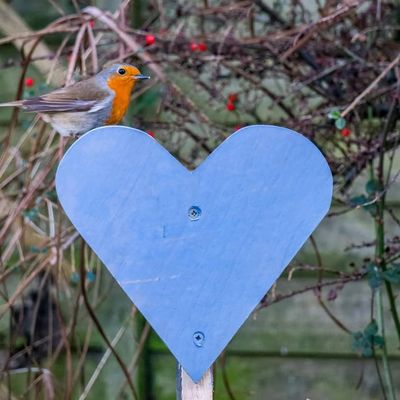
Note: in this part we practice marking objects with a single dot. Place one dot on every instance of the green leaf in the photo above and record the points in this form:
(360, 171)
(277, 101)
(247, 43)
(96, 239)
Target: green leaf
(51, 195)
(74, 278)
(392, 275)
(371, 329)
(90, 276)
(363, 201)
(340, 123)
(334, 114)
(361, 344)
(367, 352)
(35, 249)
(31, 214)
(365, 341)
(372, 186)
(358, 200)
(379, 340)
(358, 340)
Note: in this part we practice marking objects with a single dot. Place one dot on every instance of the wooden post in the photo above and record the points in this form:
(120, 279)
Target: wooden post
(186, 389)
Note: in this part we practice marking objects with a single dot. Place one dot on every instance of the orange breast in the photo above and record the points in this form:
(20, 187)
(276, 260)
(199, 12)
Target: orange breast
(122, 90)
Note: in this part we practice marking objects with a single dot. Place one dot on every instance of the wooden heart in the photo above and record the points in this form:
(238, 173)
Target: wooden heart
(195, 250)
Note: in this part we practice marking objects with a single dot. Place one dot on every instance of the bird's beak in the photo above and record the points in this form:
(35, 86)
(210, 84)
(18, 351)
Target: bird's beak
(140, 77)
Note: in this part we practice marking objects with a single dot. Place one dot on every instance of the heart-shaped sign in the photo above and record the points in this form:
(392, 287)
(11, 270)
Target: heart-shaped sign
(195, 250)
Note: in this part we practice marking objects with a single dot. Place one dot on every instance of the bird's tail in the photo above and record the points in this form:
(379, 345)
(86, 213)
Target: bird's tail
(12, 104)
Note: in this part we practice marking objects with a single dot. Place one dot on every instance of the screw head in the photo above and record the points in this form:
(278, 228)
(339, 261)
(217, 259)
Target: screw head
(198, 339)
(194, 213)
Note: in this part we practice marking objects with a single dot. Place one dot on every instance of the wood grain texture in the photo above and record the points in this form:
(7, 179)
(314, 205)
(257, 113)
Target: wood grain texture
(260, 194)
(186, 389)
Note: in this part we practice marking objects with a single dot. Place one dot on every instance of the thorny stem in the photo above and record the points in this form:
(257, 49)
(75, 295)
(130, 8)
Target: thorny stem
(386, 368)
(379, 219)
(382, 264)
(380, 256)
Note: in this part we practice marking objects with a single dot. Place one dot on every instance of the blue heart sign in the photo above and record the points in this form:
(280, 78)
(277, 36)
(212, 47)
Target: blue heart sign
(195, 251)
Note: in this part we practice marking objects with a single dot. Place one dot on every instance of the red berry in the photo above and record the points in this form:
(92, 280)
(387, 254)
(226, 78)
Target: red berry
(232, 97)
(345, 132)
(230, 106)
(150, 39)
(202, 46)
(194, 46)
(151, 133)
(91, 23)
(237, 127)
(29, 82)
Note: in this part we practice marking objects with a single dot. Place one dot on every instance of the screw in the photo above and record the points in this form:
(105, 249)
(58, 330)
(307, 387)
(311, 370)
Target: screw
(198, 339)
(194, 213)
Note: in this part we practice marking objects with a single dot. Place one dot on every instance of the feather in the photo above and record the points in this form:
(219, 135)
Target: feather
(41, 105)
(82, 96)
(12, 104)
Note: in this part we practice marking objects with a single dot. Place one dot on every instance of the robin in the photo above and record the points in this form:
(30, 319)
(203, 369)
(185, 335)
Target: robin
(100, 100)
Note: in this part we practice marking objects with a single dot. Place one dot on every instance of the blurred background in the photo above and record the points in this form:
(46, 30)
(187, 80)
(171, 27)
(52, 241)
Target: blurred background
(329, 329)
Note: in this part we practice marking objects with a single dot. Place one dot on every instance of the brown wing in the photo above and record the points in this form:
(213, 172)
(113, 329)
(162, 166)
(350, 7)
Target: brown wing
(81, 96)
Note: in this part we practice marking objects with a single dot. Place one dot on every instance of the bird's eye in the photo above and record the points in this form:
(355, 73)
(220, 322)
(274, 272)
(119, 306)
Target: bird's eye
(122, 71)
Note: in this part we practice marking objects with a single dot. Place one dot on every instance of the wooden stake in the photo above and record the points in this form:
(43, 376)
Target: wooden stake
(186, 389)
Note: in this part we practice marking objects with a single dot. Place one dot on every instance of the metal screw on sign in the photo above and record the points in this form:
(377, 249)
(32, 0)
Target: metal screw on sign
(198, 339)
(194, 213)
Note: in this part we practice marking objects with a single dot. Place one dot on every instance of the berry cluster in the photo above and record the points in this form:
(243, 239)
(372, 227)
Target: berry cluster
(231, 103)
(340, 122)
(198, 46)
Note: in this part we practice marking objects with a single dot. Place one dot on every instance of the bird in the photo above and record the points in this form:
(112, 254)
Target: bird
(100, 100)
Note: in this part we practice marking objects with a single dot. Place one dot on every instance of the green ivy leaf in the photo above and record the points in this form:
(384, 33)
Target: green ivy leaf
(334, 114)
(372, 187)
(359, 343)
(363, 201)
(365, 341)
(392, 275)
(340, 123)
(51, 195)
(31, 214)
(379, 341)
(74, 278)
(90, 276)
(358, 200)
(371, 329)
(367, 352)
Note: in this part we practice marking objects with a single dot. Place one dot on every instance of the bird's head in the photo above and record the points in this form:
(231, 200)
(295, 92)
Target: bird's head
(122, 75)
